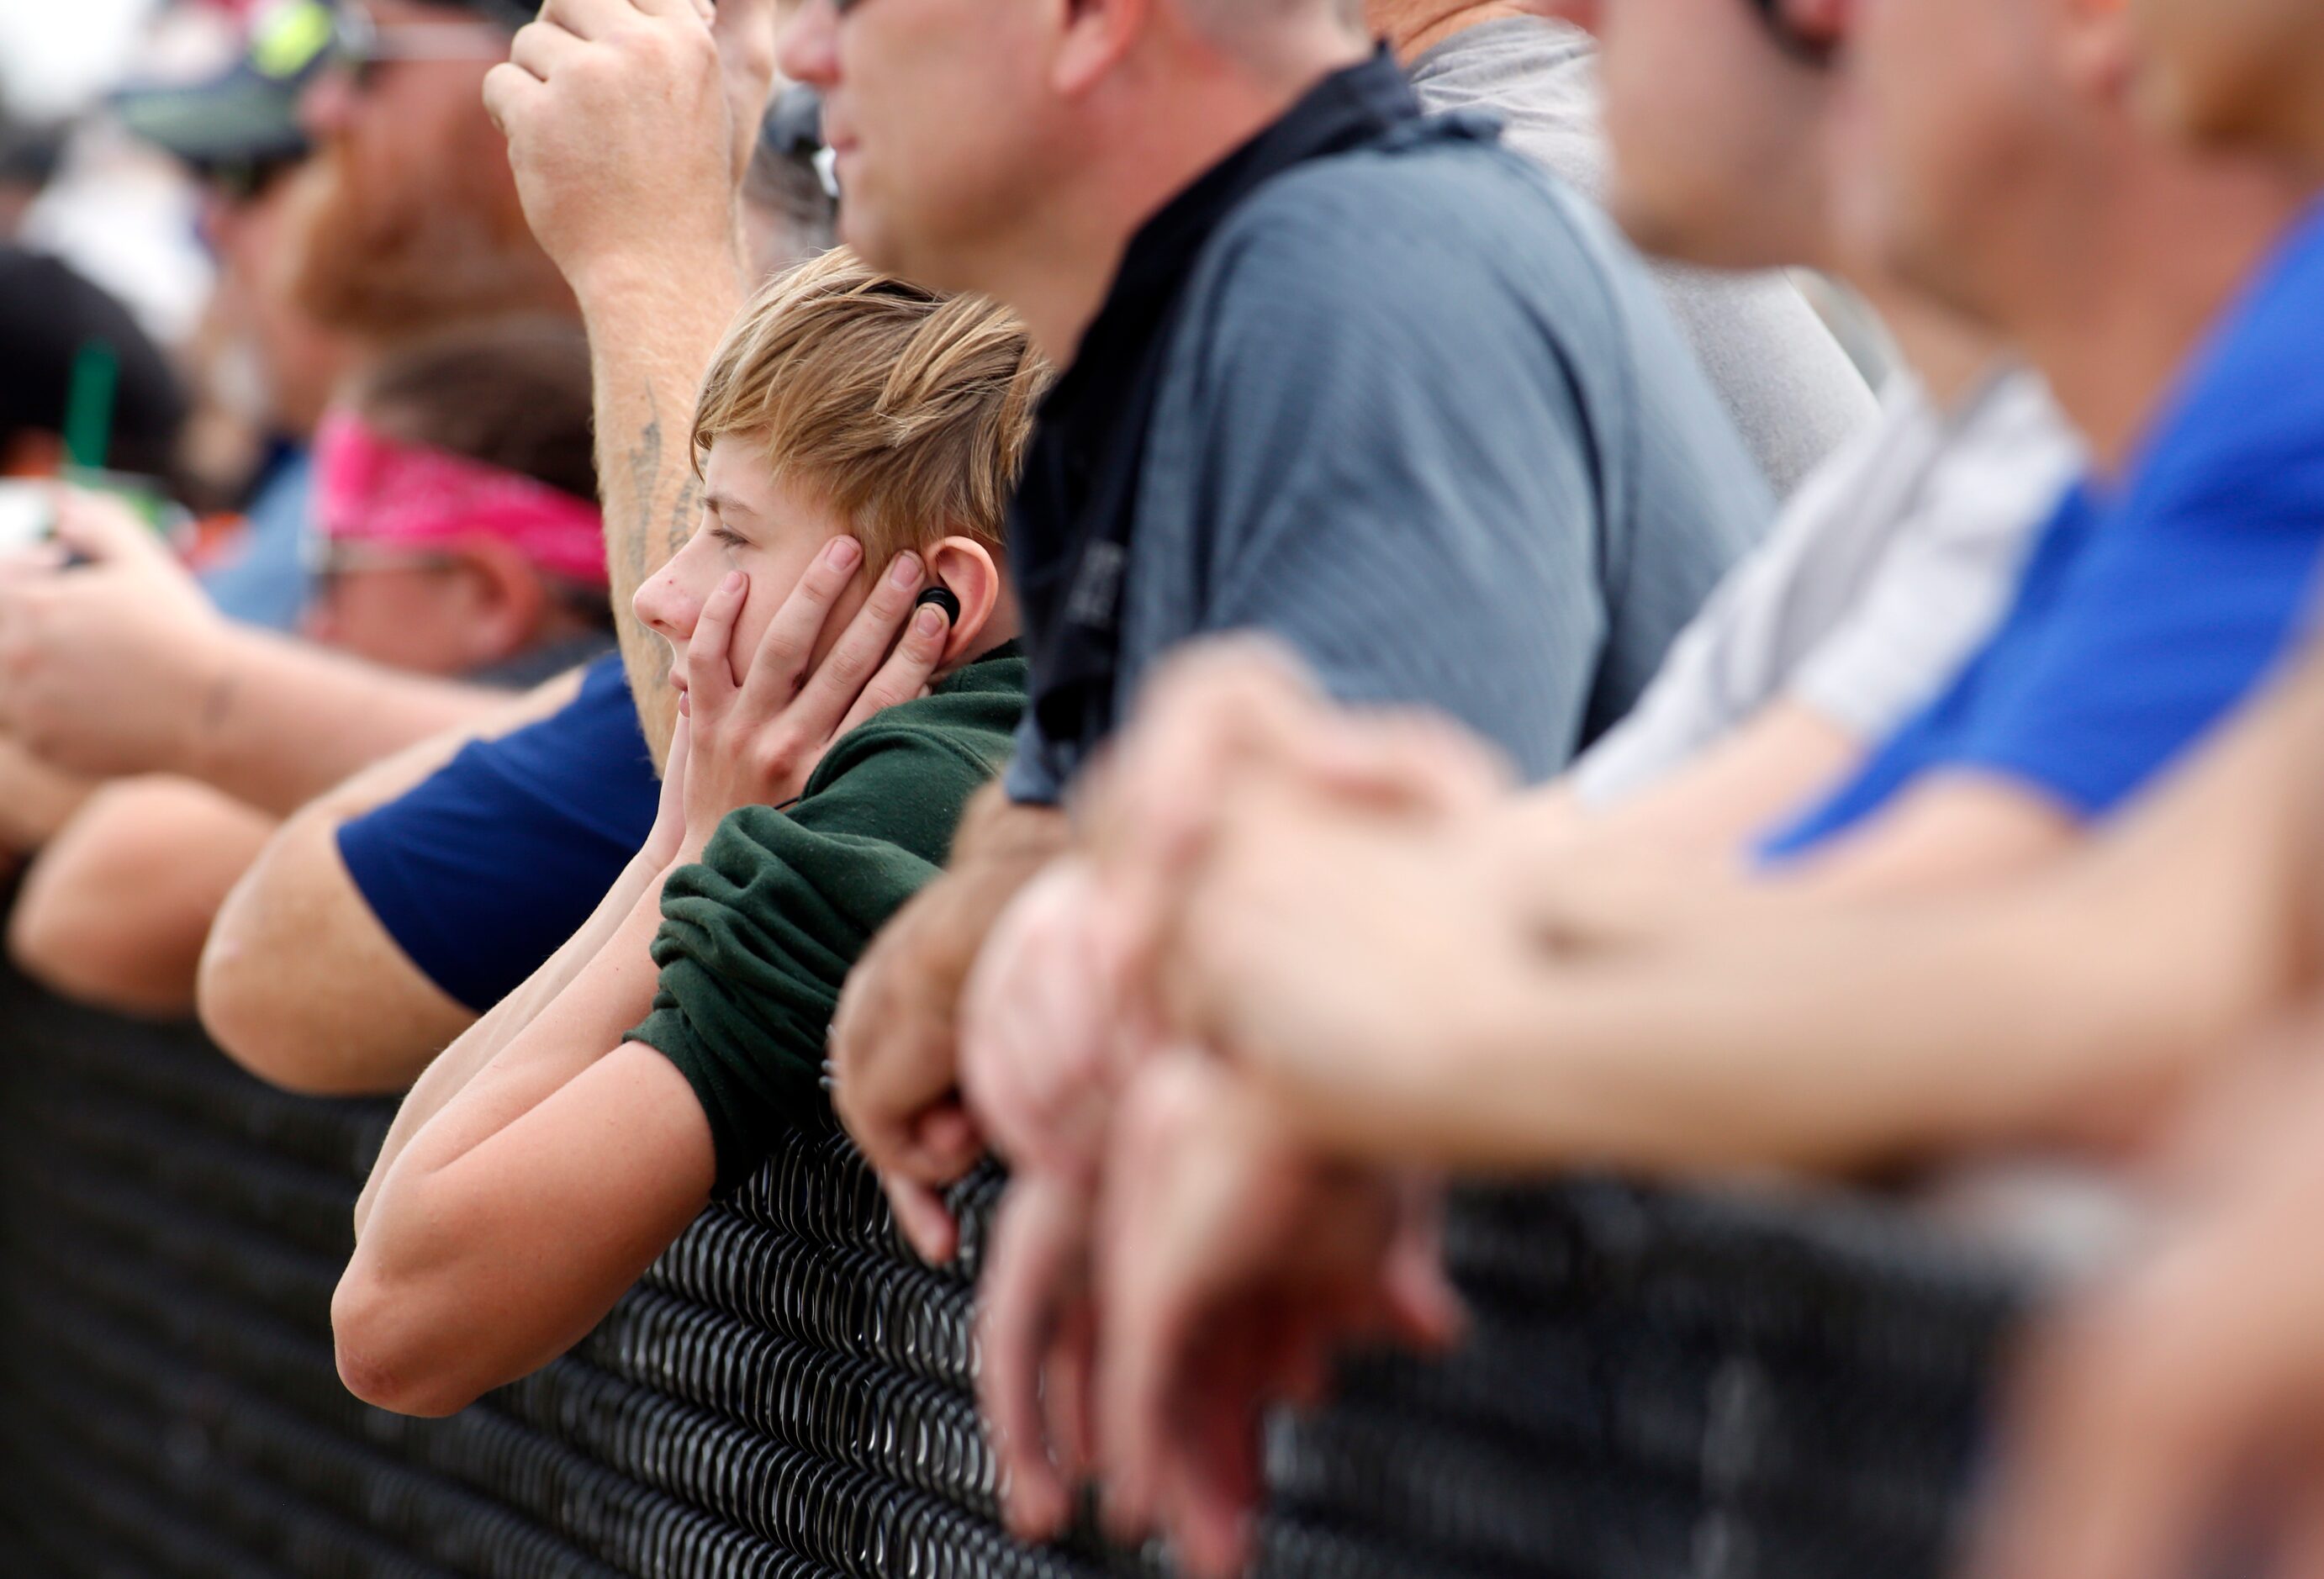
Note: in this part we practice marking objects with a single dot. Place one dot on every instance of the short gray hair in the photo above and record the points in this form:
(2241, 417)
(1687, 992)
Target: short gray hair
(1234, 22)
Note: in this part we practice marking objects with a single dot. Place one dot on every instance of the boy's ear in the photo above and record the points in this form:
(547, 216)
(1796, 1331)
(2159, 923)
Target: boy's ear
(965, 568)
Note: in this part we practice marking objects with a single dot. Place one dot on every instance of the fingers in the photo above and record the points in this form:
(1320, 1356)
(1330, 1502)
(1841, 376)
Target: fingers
(1218, 709)
(1068, 1398)
(540, 48)
(910, 669)
(894, 1041)
(779, 669)
(594, 19)
(749, 24)
(32, 565)
(103, 530)
(681, 747)
(1423, 1309)
(923, 1218)
(1408, 762)
(1037, 1243)
(710, 680)
(840, 680)
(1033, 1024)
(511, 92)
(2113, 1472)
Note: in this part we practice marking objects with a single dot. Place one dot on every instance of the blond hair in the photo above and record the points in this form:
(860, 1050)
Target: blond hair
(909, 410)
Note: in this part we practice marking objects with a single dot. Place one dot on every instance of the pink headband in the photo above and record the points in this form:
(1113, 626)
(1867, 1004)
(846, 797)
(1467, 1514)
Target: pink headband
(371, 489)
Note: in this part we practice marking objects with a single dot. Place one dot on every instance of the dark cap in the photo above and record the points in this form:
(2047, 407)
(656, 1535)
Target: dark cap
(48, 315)
(248, 112)
(510, 14)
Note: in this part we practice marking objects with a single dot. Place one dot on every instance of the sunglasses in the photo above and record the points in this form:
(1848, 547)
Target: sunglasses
(362, 46)
(244, 180)
(1810, 51)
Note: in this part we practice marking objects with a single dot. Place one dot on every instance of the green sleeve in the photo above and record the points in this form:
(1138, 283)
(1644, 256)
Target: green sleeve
(758, 938)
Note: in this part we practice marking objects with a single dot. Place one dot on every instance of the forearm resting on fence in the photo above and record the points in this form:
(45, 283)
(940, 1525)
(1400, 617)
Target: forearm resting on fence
(510, 1222)
(458, 1064)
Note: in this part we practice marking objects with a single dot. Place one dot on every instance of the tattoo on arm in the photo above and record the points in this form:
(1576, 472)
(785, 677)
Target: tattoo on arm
(644, 463)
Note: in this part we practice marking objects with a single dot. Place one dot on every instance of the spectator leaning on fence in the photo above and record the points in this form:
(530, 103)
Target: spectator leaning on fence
(1617, 1040)
(2178, 1398)
(458, 537)
(1876, 583)
(394, 909)
(858, 439)
(1792, 390)
(2222, 505)
(1363, 380)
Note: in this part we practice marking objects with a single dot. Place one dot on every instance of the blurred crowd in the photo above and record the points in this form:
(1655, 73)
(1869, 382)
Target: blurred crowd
(1257, 607)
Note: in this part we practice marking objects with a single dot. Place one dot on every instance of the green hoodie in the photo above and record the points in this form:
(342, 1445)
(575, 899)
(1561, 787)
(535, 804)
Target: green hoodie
(757, 939)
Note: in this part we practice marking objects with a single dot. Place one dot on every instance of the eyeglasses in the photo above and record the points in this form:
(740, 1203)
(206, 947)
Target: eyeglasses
(362, 44)
(329, 561)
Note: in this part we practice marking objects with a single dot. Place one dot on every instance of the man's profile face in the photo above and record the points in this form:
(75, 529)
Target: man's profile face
(941, 119)
(2242, 72)
(1717, 134)
(413, 214)
(1947, 106)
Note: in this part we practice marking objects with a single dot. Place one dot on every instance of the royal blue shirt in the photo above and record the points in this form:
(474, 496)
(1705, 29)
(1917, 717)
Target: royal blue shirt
(484, 870)
(264, 581)
(2143, 618)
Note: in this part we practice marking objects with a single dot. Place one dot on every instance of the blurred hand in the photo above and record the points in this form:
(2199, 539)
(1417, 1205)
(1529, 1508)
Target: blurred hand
(1042, 1042)
(760, 721)
(110, 667)
(1231, 1269)
(1334, 956)
(895, 1052)
(1224, 715)
(630, 125)
(2192, 1393)
(1035, 1325)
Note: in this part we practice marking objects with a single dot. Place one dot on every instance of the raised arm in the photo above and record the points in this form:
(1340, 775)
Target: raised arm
(630, 143)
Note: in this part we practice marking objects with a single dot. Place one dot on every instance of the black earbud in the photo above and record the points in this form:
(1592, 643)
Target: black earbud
(942, 596)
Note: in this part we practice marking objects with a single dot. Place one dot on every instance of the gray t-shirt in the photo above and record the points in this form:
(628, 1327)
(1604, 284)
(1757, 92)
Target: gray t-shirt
(1886, 570)
(1427, 420)
(1791, 389)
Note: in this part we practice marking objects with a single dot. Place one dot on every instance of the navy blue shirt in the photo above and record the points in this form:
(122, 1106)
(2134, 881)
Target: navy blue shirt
(483, 871)
(2141, 619)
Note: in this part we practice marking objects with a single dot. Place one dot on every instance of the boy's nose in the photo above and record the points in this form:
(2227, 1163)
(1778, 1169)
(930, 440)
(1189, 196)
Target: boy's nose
(662, 606)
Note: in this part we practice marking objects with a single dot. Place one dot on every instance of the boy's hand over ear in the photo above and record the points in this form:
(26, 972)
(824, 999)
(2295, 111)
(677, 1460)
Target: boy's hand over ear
(760, 721)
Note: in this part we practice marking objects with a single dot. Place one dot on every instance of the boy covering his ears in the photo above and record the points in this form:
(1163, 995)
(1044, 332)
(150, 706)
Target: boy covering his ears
(857, 440)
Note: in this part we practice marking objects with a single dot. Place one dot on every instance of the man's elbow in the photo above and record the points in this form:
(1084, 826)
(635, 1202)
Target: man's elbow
(255, 1009)
(96, 947)
(387, 1359)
